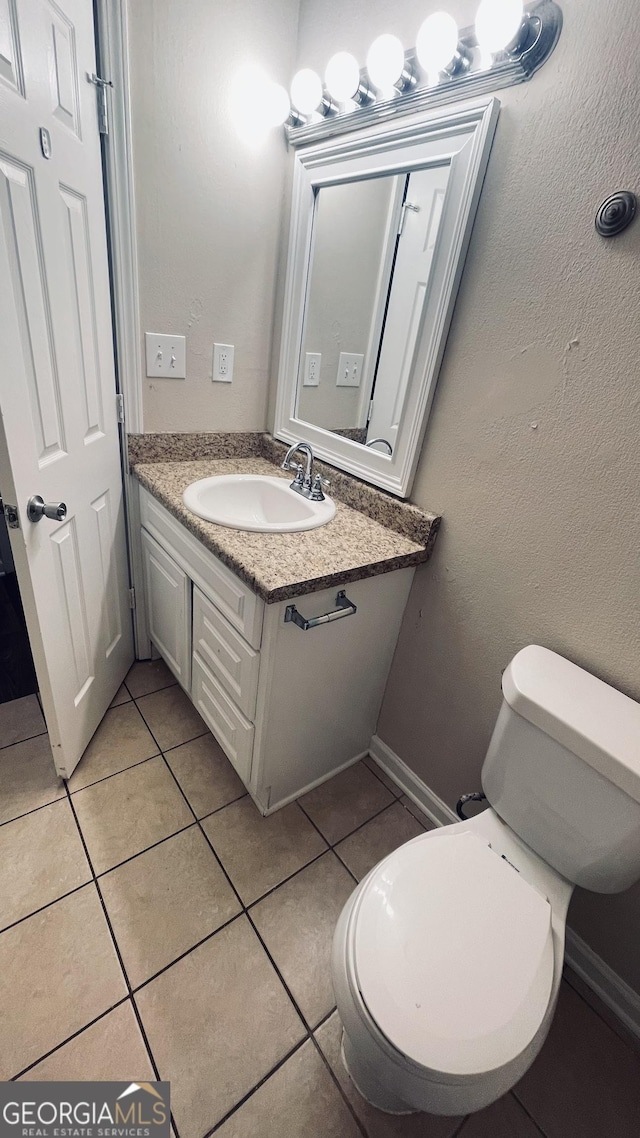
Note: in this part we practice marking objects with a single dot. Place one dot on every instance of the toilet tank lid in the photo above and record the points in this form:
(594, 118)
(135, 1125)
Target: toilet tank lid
(590, 718)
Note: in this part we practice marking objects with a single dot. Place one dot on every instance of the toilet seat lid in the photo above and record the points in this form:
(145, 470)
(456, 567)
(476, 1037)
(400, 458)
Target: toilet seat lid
(453, 954)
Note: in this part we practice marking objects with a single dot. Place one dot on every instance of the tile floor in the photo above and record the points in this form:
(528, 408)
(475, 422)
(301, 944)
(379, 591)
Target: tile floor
(153, 924)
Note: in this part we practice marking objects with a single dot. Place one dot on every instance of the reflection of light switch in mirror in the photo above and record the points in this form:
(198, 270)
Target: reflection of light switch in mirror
(312, 361)
(349, 369)
(166, 355)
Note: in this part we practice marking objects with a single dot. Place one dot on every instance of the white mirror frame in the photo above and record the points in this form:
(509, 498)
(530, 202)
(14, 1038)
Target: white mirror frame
(459, 136)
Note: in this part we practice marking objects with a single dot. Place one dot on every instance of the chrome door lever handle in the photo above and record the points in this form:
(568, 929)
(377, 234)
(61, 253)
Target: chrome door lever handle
(37, 508)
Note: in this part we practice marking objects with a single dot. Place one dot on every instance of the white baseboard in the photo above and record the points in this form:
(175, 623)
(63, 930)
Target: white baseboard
(622, 1000)
(415, 789)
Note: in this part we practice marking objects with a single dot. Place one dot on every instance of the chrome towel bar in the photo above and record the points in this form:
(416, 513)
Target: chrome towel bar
(344, 607)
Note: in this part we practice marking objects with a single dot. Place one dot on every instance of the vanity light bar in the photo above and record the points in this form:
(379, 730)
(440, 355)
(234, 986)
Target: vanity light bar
(471, 72)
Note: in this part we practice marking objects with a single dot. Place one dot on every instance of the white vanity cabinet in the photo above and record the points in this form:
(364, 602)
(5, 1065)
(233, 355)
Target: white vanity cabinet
(288, 707)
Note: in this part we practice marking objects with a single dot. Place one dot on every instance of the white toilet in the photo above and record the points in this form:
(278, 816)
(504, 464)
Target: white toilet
(447, 958)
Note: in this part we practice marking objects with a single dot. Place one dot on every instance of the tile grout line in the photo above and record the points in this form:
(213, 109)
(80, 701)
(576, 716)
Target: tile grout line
(254, 1089)
(41, 909)
(165, 968)
(27, 739)
(244, 910)
(246, 913)
(34, 809)
(153, 846)
(74, 1035)
(114, 774)
(191, 739)
(461, 1127)
(141, 695)
(309, 1031)
(527, 1112)
(361, 826)
(335, 1079)
(397, 796)
(118, 953)
(138, 763)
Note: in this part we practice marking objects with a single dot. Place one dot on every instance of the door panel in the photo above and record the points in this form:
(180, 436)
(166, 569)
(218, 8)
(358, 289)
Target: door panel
(10, 59)
(408, 298)
(79, 263)
(59, 431)
(23, 269)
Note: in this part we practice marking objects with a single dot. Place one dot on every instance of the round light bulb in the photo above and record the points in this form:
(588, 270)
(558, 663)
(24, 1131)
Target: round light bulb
(385, 61)
(306, 91)
(342, 76)
(497, 24)
(437, 43)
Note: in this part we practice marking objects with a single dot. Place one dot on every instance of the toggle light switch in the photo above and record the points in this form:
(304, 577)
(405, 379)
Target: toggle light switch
(350, 367)
(166, 355)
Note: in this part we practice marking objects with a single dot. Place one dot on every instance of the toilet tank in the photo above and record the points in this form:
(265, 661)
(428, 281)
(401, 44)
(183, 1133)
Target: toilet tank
(563, 769)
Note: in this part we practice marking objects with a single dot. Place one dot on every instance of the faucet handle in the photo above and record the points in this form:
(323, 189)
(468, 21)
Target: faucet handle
(319, 484)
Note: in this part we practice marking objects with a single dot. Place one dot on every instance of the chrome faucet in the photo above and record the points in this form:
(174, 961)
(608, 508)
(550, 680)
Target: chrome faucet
(305, 482)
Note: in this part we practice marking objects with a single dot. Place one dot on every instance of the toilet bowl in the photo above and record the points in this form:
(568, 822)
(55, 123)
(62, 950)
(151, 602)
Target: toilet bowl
(447, 961)
(448, 956)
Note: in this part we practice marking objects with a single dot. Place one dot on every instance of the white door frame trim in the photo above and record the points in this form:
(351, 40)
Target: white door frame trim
(113, 54)
(113, 62)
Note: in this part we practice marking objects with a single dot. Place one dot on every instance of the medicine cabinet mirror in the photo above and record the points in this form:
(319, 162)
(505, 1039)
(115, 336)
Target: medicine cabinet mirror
(380, 224)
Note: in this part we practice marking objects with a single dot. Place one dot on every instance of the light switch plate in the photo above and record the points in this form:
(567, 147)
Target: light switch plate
(312, 362)
(222, 363)
(350, 367)
(166, 355)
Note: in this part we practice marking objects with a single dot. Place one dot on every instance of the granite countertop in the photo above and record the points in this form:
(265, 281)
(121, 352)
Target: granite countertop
(278, 566)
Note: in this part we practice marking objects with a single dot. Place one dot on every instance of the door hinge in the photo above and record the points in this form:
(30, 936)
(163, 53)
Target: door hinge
(11, 514)
(132, 598)
(103, 108)
(370, 412)
(120, 407)
(403, 214)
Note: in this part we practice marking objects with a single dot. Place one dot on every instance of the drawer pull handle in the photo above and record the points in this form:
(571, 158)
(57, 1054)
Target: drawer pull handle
(344, 607)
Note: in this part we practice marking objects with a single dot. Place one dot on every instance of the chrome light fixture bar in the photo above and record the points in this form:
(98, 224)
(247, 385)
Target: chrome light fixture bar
(469, 76)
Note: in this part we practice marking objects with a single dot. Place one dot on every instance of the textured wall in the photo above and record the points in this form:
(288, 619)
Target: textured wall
(208, 206)
(532, 449)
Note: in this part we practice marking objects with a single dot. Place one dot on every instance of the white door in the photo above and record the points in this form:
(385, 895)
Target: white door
(422, 213)
(59, 431)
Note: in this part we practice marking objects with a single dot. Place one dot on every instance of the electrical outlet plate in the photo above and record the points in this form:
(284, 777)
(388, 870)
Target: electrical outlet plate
(222, 363)
(166, 355)
(312, 362)
(350, 367)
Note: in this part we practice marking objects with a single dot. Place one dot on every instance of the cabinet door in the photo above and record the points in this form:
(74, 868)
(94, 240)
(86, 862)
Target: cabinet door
(168, 608)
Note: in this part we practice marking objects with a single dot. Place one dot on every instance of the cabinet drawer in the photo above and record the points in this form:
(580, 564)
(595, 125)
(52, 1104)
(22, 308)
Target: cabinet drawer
(227, 656)
(242, 608)
(233, 732)
(168, 599)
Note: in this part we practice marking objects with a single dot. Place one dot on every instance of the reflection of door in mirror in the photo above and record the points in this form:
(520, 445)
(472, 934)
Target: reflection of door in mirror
(373, 245)
(353, 223)
(419, 225)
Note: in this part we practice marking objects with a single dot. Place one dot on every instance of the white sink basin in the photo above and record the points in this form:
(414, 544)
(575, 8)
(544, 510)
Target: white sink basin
(255, 502)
